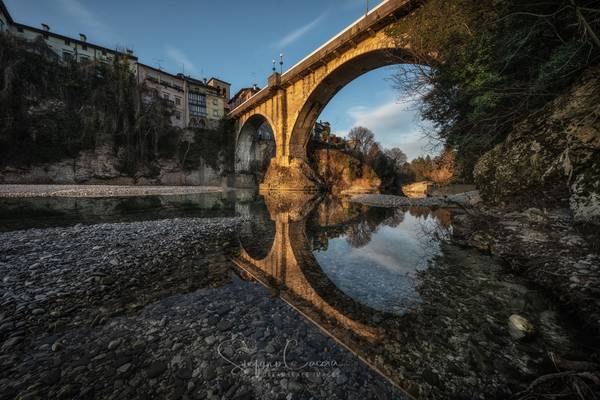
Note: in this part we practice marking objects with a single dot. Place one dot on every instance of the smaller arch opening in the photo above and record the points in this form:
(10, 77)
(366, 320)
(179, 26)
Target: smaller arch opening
(254, 150)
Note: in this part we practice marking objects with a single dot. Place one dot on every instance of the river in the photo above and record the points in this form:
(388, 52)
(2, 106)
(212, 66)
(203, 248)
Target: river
(236, 295)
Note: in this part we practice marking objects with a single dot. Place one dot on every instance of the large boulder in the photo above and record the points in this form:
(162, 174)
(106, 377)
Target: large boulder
(552, 158)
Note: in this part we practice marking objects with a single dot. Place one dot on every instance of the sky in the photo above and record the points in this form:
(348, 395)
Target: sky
(235, 40)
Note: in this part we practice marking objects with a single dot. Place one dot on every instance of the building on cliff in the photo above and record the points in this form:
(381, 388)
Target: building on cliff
(205, 101)
(197, 103)
(167, 86)
(242, 95)
(66, 48)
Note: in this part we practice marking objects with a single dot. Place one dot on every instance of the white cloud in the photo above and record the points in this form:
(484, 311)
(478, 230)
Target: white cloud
(180, 59)
(395, 124)
(298, 33)
(87, 18)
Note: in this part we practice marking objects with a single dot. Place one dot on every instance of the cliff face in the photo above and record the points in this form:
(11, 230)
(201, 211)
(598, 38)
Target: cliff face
(552, 158)
(104, 167)
(344, 174)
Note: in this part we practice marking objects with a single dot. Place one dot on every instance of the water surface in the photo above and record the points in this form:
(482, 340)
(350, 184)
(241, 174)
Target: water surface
(382, 289)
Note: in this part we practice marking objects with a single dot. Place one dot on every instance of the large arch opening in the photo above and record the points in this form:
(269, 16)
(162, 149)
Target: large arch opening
(332, 84)
(255, 148)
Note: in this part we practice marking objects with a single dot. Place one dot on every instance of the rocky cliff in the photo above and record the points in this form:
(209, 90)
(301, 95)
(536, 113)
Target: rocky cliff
(344, 174)
(552, 158)
(103, 167)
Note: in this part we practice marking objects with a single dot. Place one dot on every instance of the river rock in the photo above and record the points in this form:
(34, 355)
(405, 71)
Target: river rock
(520, 328)
(114, 344)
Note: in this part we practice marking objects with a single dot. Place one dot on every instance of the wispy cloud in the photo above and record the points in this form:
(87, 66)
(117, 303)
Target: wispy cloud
(87, 18)
(296, 34)
(395, 124)
(180, 59)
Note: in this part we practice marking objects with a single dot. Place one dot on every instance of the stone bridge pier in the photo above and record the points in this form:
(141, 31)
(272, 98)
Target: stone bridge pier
(291, 102)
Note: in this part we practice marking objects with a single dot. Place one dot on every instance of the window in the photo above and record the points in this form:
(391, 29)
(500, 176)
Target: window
(67, 56)
(45, 35)
(104, 53)
(166, 96)
(84, 47)
(20, 30)
(197, 111)
(177, 115)
(67, 42)
(197, 104)
(84, 58)
(197, 98)
(177, 101)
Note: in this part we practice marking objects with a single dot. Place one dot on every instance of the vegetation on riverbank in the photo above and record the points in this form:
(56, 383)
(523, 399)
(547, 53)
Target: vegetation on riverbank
(50, 111)
(493, 63)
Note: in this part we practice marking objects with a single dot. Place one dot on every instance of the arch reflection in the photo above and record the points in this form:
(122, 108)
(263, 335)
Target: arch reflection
(290, 270)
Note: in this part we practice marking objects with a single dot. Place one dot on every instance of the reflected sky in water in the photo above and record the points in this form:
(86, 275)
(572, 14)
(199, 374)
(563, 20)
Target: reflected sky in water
(382, 273)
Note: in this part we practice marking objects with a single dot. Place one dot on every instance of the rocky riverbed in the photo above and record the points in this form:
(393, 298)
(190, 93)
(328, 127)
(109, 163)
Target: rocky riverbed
(547, 247)
(153, 309)
(20, 191)
(467, 199)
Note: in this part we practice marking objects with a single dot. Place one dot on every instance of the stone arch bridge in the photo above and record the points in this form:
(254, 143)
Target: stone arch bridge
(292, 101)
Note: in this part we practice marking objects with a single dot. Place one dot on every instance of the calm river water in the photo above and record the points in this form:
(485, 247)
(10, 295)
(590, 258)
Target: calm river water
(305, 298)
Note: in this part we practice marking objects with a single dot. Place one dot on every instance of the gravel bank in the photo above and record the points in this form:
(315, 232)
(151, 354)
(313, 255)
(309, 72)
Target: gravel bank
(100, 190)
(384, 200)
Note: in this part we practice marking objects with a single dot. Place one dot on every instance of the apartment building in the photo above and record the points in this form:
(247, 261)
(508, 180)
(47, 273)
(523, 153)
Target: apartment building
(205, 103)
(167, 86)
(197, 103)
(223, 89)
(242, 95)
(66, 48)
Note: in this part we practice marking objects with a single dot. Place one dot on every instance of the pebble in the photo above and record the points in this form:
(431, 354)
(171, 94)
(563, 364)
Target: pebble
(520, 328)
(113, 344)
(224, 325)
(9, 343)
(124, 368)
(157, 368)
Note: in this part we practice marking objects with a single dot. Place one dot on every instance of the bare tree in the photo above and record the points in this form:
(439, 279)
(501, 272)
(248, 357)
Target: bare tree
(397, 156)
(361, 140)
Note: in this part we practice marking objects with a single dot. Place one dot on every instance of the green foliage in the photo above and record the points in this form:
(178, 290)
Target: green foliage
(494, 62)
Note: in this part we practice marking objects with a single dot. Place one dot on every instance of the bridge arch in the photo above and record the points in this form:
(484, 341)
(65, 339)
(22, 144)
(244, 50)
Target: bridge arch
(292, 101)
(334, 81)
(255, 146)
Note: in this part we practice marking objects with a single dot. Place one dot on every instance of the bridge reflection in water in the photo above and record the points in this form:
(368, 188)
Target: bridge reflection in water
(436, 332)
(283, 261)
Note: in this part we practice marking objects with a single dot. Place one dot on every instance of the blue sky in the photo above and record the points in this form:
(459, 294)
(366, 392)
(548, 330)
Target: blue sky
(235, 40)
